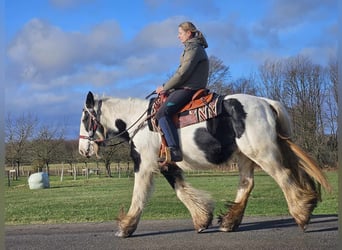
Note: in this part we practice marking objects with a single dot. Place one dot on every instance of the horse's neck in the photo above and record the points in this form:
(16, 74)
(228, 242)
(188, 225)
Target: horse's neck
(128, 110)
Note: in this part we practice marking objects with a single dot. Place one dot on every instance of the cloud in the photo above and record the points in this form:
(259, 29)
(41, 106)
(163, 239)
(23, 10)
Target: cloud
(45, 56)
(43, 52)
(159, 34)
(192, 8)
(287, 15)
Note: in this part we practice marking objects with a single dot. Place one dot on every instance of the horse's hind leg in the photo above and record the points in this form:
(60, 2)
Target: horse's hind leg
(298, 187)
(231, 220)
(196, 201)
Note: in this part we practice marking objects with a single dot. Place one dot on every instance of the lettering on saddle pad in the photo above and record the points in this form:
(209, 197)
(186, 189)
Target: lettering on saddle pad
(204, 108)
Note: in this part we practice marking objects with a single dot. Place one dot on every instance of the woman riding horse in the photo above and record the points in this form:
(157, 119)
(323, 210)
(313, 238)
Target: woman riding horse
(191, 75)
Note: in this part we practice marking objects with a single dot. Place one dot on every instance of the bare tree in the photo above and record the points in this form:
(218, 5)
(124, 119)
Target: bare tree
(47, 146)
(218, 76)
(18, 133)
(69, 152)
(304, 88)
(331, 109)
(108, 157)
(244, 85)
(116, 150)
(272, 80)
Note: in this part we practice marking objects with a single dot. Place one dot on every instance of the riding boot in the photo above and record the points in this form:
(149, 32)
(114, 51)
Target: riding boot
(171, 136)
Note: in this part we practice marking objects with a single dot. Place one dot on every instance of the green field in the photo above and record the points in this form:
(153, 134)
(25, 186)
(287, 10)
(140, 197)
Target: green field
(100, 198)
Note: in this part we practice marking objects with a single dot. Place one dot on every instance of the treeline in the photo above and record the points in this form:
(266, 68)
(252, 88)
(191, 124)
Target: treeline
(308, 90)
(39, 146)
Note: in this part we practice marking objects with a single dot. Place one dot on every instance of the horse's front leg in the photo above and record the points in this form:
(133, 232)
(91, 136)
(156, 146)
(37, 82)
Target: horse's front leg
(199, 203)
(231, 220)
(143, 186)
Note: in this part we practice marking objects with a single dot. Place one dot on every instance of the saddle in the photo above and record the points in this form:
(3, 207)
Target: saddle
(204, 105)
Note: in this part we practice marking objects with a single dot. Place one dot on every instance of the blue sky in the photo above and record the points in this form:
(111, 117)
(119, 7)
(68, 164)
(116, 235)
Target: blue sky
(58, 50)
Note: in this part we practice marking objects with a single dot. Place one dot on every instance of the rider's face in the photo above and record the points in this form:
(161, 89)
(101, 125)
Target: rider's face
(183, 36)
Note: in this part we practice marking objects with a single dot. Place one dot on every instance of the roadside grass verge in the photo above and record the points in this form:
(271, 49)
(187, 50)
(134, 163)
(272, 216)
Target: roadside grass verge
(100, 199)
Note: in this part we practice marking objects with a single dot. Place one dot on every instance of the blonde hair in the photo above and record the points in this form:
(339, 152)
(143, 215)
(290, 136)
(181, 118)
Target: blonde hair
(189, 26)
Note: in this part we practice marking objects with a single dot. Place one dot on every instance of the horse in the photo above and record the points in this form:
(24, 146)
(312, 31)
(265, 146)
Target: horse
(256, 131)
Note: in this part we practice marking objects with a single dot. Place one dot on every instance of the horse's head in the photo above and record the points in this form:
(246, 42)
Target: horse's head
(92, 133)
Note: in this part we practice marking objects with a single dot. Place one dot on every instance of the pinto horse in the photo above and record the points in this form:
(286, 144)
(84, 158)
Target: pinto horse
(255, 131)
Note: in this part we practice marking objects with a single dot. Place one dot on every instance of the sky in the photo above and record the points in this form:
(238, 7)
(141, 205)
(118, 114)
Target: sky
(58, 50)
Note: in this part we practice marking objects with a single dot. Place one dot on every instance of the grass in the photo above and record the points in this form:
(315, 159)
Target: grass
(99, 199)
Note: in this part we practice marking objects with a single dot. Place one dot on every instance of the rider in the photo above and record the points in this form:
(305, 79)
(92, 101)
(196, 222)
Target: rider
(191, 75)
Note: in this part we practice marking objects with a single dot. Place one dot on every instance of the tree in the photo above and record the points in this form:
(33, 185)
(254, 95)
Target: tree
(272, 80)
(18, 133)
(47, 146)
(244, 85)
(117, 149)
(330, 111)
(218, 76)
(304, 87)
(69, 152)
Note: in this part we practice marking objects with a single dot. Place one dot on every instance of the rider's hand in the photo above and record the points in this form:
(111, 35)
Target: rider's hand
(160, 90)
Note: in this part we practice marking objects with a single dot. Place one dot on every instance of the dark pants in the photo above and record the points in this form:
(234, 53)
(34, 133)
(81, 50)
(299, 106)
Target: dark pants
(174, 102)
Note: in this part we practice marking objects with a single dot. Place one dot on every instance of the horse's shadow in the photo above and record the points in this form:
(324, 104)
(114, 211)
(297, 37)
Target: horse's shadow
(289, 222)
(261, 225)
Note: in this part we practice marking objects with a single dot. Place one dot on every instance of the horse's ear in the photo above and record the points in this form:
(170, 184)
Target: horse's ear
(90, 100)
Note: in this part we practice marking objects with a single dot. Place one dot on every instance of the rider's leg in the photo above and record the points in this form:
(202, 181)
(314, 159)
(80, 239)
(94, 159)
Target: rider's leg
(174, 102)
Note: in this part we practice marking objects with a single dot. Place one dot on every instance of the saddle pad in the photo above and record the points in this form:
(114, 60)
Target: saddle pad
(201, 113)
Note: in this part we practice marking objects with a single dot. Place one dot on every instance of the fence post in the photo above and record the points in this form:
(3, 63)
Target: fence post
(62, 172)
(74, 173)
(8, 178)
(119, 169)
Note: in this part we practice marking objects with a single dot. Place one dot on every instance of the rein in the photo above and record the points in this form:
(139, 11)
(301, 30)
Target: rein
(96, 123)
(140, 126)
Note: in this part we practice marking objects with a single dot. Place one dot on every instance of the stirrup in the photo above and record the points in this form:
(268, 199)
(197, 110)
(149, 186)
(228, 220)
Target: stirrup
(165, 156)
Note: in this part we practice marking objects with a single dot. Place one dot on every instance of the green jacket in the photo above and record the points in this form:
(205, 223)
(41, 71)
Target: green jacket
(193, 69)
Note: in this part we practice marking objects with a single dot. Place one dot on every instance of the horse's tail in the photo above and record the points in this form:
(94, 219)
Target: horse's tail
(302, 160)
(309, 165)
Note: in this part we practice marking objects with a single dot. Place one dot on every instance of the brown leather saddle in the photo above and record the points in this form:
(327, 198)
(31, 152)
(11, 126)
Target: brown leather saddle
(204, 105)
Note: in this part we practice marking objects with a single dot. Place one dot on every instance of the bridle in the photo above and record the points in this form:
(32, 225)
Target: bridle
(94, 124)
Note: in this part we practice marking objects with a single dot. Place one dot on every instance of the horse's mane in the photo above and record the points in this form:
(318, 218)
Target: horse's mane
(127, 109)
(118, 99)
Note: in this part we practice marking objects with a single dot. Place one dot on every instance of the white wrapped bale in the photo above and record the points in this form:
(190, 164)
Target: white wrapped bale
(39, 181)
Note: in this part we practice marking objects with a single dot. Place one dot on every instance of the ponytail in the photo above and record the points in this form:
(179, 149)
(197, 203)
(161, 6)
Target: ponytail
(200, 36)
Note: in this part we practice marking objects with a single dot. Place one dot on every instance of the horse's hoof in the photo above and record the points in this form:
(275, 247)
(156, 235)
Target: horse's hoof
(224, 229)
(200, 230)
(228, 229)
(120, 234)
(303, 227)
